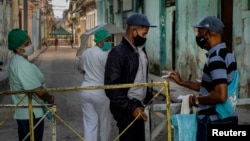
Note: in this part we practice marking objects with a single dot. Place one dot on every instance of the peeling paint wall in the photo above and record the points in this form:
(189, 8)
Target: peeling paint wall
(153, 37)
(35, 29)
(241, 43)
(5, 27)
(189, 57)
(169, 40)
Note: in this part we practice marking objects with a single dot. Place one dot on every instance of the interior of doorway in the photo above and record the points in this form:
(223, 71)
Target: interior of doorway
(227, 19)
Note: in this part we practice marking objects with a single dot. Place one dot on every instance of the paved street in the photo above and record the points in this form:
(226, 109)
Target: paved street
(60, 70)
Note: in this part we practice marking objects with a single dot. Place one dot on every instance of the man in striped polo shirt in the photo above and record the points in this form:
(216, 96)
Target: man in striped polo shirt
(218, 72)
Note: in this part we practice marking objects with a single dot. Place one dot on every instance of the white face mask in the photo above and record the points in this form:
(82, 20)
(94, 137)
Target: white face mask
(29, 50)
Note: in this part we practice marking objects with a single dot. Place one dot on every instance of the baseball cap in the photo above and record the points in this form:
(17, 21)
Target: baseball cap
(139, 19)
(212, 23)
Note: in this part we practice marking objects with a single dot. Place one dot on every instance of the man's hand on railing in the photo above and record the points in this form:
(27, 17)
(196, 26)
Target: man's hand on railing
(140, 111)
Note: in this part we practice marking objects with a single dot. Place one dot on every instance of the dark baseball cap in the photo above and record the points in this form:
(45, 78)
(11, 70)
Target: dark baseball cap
(139, 19)
(211, 23)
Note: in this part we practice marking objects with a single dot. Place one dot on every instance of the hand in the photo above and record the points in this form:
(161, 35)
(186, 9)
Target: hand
(140, 110)
(51, 99)
(192, 101)
(175, 76)
(48, 97)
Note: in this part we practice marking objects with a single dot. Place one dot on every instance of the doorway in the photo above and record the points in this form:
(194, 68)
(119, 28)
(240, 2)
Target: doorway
(173, 41)
(227, 19)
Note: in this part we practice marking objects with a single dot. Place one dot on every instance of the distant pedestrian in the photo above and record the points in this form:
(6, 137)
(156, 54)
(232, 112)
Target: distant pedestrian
(24, 75)
(56, 43)
(72, 43)
(95, 104)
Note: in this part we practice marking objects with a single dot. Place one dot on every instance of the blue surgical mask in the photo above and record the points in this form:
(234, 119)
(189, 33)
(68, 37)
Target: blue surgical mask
(29, 50)
(106, 46)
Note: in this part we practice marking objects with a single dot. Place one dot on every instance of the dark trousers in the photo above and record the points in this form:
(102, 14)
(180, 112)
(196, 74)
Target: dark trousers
(23, 129)
(133, 133)
(203, 125)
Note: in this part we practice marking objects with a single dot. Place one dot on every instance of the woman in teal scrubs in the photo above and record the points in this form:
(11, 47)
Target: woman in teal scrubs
(24, 75)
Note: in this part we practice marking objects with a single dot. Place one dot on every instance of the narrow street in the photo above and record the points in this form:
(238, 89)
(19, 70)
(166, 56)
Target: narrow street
(59, 68)
(170, 31)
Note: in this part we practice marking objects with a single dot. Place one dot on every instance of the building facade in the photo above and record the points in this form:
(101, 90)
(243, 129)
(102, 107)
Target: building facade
(35, 17)
(171, 45)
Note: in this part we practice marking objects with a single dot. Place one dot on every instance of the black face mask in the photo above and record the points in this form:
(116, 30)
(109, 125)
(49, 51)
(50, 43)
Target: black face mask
(139, 41)
(201, 41)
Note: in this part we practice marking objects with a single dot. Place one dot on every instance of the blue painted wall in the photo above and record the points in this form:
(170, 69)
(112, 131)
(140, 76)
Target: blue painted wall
(190, 58)
(153, 37)
(241, 42)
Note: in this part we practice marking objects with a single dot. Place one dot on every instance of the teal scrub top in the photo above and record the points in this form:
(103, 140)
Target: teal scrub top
(24, 75)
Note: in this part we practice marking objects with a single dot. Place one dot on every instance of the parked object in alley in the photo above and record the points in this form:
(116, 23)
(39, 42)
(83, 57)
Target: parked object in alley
(60, 31)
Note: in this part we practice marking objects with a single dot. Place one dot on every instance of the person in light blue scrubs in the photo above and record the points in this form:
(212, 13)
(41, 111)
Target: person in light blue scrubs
(23, 75)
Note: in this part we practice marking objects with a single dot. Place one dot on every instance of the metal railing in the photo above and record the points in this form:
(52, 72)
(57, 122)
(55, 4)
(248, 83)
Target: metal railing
(52, 108)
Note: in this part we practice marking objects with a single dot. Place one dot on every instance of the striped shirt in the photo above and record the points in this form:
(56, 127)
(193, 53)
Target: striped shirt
(219, 68)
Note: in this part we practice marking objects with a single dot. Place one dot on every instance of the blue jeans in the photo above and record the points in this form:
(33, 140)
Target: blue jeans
(23, 129)
(202, 125)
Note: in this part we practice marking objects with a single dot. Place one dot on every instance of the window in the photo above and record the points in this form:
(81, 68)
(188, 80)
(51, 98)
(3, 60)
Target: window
(170, 3)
